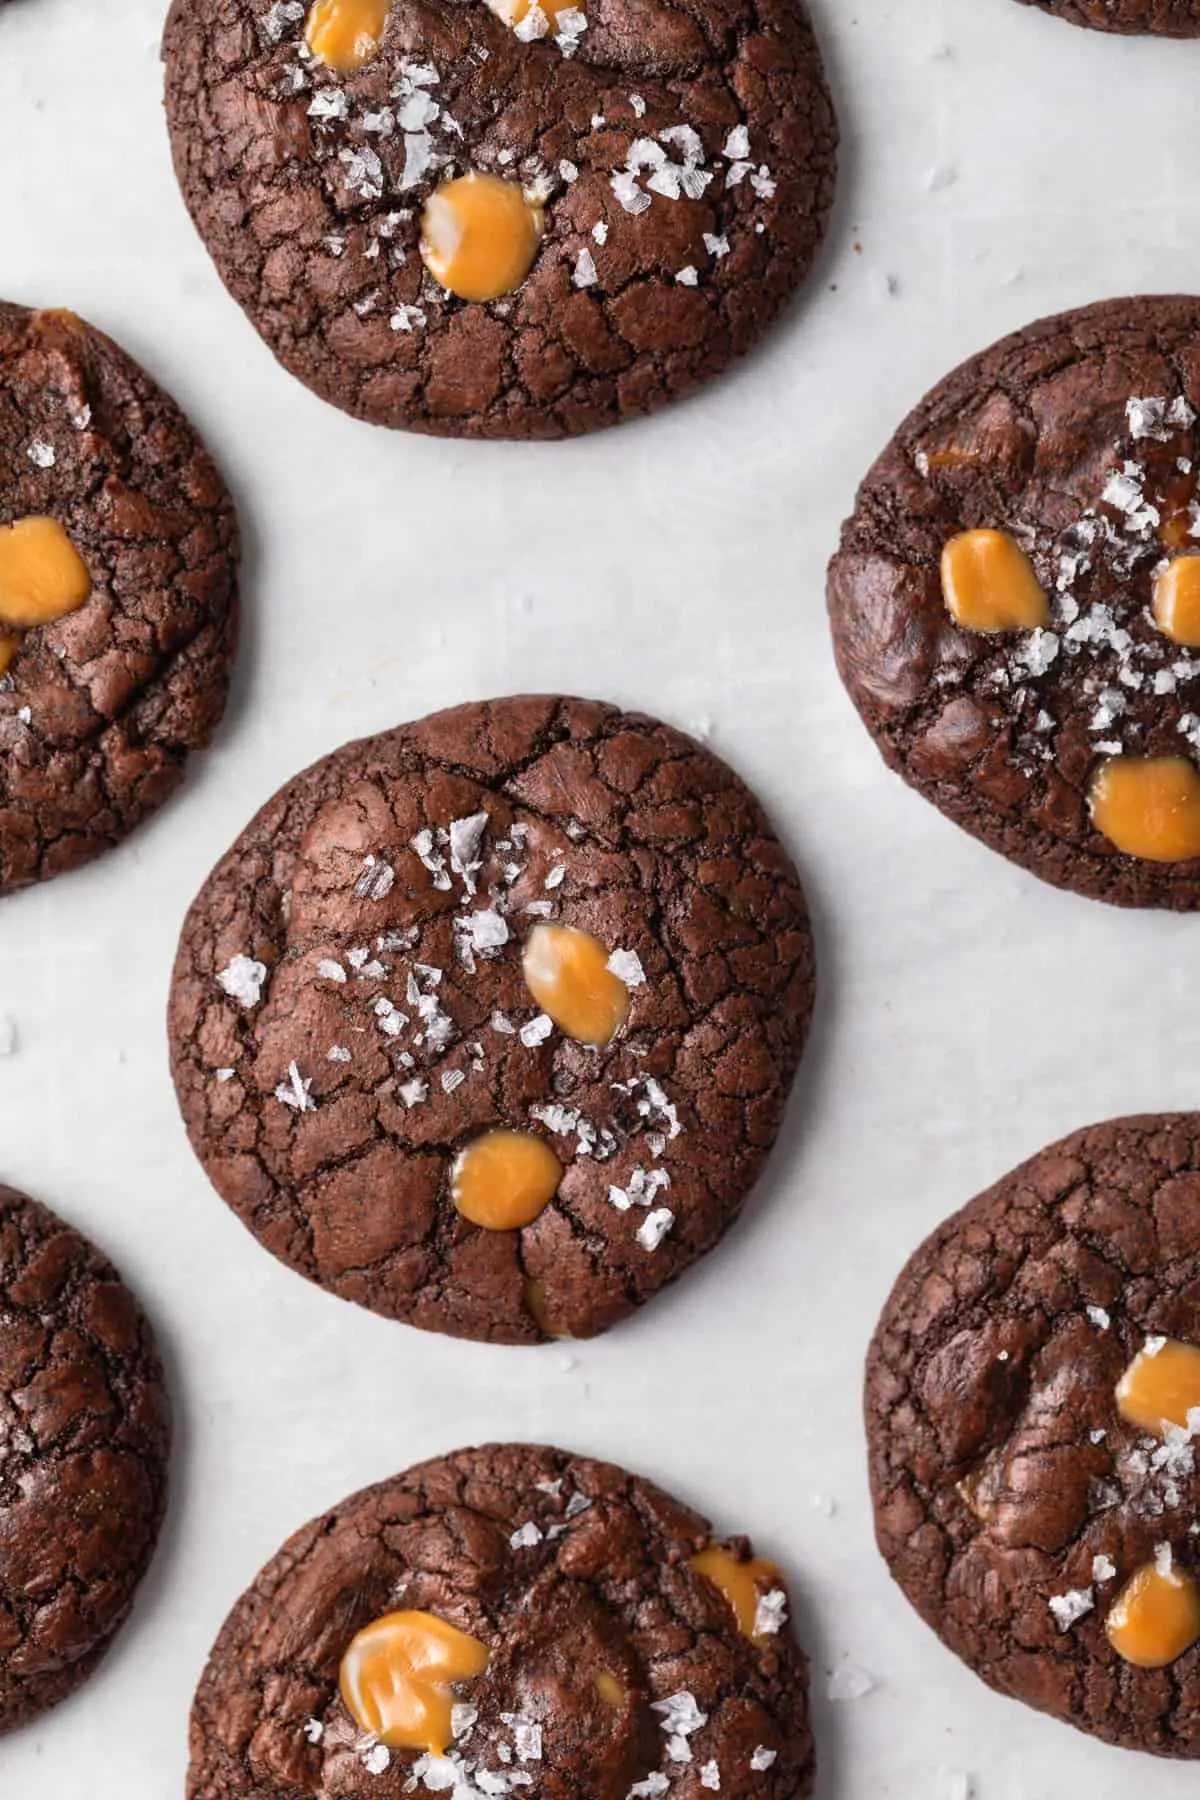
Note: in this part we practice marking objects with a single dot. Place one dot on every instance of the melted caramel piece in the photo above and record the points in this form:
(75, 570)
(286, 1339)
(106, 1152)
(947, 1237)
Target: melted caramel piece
(480, 235)
(8, 649)
(345, 34)
(567, 973)
(536, 1305)
(610, 1689)
(950, 458)
(1148, 806)
(42, 575)
(1155, 1617)
(989, 584)
(1161, 1387)
(504, 1180)
(1177, 601)
(397, 1675)
(742, 1583)
(1175, 506)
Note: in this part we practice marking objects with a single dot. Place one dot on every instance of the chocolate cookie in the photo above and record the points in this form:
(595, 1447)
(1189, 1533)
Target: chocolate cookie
(524, 222)
(1163, 18)
(1016, 602)
(488, 1023)
(507, 1618)
(1033, 1400)
(83, 1457)
(118, 551)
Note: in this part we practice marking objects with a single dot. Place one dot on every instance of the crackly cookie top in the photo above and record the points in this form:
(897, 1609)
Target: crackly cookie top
(488, 1023)
(1033, 1405)
(118, 550)
(1162, 18)
(504, 219)
(1016, 602)
(83, 1454)
(507, 1620)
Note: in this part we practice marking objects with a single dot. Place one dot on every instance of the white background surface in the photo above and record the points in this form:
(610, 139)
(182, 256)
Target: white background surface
(997, 165)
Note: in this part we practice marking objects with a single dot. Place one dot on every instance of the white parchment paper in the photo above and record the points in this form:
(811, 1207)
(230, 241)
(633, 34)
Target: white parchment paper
(997, 166)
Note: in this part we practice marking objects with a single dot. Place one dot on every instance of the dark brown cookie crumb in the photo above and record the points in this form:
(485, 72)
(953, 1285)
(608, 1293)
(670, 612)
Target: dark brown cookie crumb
(714, 123)
(349, 1011)
(567, 1570)
(99, 709)
(1012, 1498)
(83, 1457)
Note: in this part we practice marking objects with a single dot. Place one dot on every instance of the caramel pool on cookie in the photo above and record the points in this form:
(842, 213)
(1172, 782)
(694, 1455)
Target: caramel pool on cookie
(398, 1675)
(1156, 1616)
(1161, 1386)
(345, 34)
(567, 972)
(989, 584)
(504, 1180)
(1176, 603)
(42, 575)
(480, 235)
(1148, 806)
(744, 1585)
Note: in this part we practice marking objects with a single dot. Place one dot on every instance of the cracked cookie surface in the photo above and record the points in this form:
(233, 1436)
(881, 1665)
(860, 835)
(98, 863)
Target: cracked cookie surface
(1162, 18)
(349, 1011)
(99, 708)
(614, 1667)
(84, 1426)
(1078, 438)
(684, 155)
(1012, 1498)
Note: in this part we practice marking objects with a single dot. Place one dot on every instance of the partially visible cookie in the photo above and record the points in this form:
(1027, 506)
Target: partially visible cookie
(502, 1620)
(511, 219)
(1016, 601)
(1162, 18)
(1033, 1411)
(488, 1022)
(118, 614)
(83, 1457)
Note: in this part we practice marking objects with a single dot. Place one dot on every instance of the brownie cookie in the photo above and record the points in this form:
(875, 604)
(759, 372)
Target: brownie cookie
(488, 1022)
(83, 1457)
(523, 222)
(501, 1619)
(1032, 1402)
(1016, 601)
(1162, 18)
(118, 551)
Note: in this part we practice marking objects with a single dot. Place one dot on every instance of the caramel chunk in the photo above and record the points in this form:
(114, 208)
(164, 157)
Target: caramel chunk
(1156, 1616)
(989, 584)
(743, 1584)
(610, 1689)
(568, 975)
(504, 1179)
(1177, 600)
(397, 1676)
(1161, 1386)
(42, 575)
(346, 34)
(480, 235)
(1148, 806)
(8, 649)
